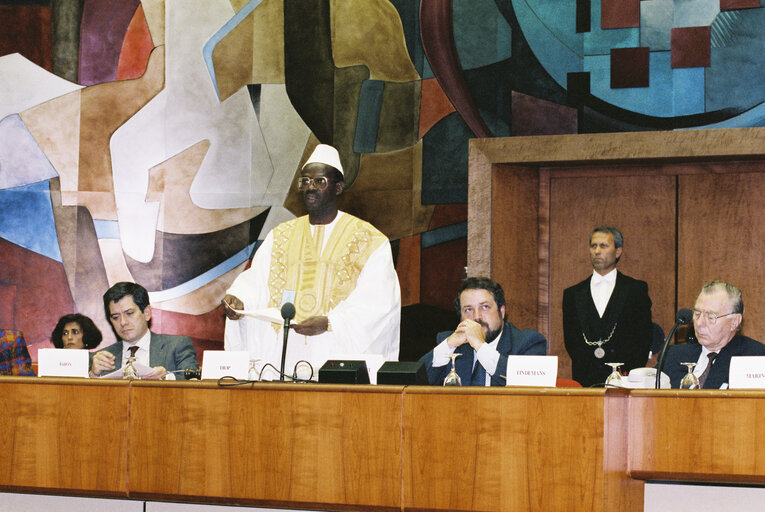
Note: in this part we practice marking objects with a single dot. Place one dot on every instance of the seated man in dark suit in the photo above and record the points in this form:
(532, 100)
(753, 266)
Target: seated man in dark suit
(483, 338)
(717, 316)
(127, 308)
(14, 356)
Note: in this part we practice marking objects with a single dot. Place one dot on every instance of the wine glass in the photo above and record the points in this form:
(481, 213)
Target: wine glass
(252, 371)
(130, 372)
(452, 379)
(615, 379)
(690, 381)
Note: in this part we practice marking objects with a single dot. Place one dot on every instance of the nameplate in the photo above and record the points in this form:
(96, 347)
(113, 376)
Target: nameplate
(747, 372)
(538, 371)
(62, 362)
(225, 363)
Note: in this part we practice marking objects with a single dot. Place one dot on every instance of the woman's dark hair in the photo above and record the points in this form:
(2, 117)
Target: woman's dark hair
(91, 336)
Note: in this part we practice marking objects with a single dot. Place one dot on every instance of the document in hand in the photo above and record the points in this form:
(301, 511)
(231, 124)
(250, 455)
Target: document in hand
(142, 370)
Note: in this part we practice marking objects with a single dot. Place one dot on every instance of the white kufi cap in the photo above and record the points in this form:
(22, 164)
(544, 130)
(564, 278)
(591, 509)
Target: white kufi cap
(327, 155)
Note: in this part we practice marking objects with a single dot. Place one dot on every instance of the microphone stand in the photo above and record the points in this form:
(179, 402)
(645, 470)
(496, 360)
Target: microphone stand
(288, 313)
(682, 318)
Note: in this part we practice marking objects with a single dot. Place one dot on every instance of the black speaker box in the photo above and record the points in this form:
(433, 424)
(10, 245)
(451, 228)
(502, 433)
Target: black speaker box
(402, 372)
(344, 372)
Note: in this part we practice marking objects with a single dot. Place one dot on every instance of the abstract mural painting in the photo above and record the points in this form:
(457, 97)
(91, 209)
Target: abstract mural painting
(157, 141)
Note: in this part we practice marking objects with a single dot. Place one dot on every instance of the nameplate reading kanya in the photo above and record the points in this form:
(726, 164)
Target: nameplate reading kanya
(55, 362)
(747, 372)
(532, 371)
(225, 363)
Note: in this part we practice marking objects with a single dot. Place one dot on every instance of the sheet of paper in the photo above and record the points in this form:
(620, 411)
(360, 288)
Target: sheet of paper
(142, 370)
(267, 315)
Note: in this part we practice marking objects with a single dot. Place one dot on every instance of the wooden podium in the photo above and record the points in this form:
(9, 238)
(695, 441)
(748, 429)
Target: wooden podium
(382, 448)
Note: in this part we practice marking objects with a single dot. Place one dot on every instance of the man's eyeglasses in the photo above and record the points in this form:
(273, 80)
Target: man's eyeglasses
(319, 182)
(710, 316)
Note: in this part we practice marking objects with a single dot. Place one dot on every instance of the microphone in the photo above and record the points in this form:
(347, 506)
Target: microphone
(684, 315)
(191, 373)
(288, 313)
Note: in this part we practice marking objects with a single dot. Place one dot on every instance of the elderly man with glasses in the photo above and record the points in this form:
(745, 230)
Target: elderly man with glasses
(335, 268)
(717, 317)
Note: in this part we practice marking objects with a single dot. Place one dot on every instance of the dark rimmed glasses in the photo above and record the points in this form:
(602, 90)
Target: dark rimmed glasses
(320, 182)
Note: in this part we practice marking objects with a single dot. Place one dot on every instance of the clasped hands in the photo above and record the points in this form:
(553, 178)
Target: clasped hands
(468, 331)
(312, 326)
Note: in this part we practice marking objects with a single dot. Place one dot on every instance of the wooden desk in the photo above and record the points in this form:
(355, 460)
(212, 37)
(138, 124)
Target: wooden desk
(516, 449)
(372, 447)
(700, 435)
(64, 436)
(302, 446)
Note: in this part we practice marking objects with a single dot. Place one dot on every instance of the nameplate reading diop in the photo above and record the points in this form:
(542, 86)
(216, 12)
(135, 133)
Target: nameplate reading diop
(225, 363)
(532, 370)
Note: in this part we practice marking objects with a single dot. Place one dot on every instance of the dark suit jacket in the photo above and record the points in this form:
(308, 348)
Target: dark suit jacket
(718, 375)
(171, 352)
(629, 308)
(512, 341)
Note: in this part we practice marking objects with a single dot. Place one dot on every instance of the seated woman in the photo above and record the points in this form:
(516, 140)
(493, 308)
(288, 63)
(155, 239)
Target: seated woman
(75, 331)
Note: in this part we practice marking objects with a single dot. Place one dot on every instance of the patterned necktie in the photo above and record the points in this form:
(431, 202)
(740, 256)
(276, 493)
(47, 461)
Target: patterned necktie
(133, 350)
(705, 373)
(479, 375)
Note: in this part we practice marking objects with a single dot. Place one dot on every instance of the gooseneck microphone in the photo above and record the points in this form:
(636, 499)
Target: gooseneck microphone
(288, 313)
(684, 315)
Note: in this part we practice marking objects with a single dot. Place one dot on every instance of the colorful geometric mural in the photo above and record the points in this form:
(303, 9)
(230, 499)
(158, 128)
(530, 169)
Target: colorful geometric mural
(158, 140)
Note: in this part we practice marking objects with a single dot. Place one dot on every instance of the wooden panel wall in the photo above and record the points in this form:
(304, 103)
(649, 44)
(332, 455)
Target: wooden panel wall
(514, 240)
(722, 236)
(688, 203)
(642, 207)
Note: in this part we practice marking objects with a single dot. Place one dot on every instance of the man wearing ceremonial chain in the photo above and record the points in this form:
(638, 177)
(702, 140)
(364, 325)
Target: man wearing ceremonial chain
(606, 317)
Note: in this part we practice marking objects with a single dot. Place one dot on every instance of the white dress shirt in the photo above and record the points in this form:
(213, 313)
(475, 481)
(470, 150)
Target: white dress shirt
(601, 288)
(142, 354)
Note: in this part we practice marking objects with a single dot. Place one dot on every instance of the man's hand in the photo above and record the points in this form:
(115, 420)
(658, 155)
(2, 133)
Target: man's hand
(230, 303)
(158, 373)
(103, 361)
(312, 326)
(456, 339)
(468, 331)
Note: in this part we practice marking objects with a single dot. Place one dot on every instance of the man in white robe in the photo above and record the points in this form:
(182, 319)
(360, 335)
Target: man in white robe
(335, 268)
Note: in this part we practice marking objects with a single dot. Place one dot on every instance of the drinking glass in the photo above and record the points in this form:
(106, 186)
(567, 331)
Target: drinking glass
(690, 381)
(452, 379)
(615, 379)
(252, 372)
(130, 372)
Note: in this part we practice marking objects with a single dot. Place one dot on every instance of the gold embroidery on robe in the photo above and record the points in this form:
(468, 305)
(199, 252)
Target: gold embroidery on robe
(321, 281)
